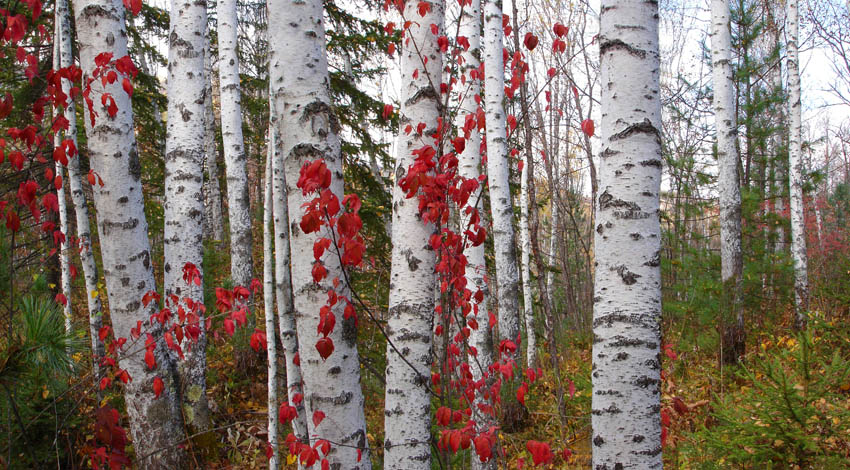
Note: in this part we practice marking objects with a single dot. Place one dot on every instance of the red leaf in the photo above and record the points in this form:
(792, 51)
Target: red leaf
(444, 416)
(530, 41)
(158, 386)
(424, 8)
(318, 416)
(128, 87)
(325, 346)
(150, 360)
(560, 30)
(572, 389)
(319, 272)
(229, 327)
(388, 111)
(587, 127)
(286, 413)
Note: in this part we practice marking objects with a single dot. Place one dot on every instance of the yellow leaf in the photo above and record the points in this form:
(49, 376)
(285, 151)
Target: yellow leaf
(290, 459)
(94, 294)
(51, 285)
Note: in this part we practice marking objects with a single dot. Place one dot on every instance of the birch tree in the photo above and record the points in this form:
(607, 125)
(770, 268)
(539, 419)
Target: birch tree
(238, 206)
(795, 169)
(184, 199)
(268, 305)
(469, 166)
(732, 263)
(626, 371)
(64, 263)
(498, 173)
(407, 409)
(308, 131)
(214, 223)
(78, 197)
(155, 424)
(525, 249)
(283, 278)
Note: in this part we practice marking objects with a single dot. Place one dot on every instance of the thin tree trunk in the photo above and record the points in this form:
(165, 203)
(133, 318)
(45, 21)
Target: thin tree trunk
(627, 310)
(64, 262)
(498, 174)
(407, 415)
(732, 341)
(78, 196)
(238, 206)
(525, 248)
(268, 304)
(155, 424)
(309, 131)
(214, 223)
(283, 278)
(795, 165)
(469, 166)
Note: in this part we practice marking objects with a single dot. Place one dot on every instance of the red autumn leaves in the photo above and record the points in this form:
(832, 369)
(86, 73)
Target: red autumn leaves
(343, 240)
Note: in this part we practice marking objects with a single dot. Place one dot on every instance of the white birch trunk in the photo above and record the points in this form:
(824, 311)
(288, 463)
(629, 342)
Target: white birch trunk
(469, 166)
(64, 264)
(268, 304)
(283, 278)
(241, 261)
(309, 131)
(732, 343)
(407, 409)
(184, 199)
(155, 424)
(78, 196)
(214, 222)
(627, 305)
(795, 168)
(525, 250)
(498, 173)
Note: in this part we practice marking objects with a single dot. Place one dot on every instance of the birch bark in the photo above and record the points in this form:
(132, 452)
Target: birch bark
(184, 198)
(525, 249)
(732, 341)
(308, 131)
(81, 207)
(241, 261)
(214, 223)
(407, 412)
(268, 304)
(469, 166)
(283, 278)
(64, 265)
(795, 170)
(627, 304)
(155, 424)
(498, 173)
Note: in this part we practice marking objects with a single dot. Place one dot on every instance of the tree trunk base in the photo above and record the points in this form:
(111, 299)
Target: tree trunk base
(732, 343)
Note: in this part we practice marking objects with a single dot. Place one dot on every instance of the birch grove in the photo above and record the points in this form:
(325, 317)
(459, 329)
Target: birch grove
(406, 165)
(627, 308)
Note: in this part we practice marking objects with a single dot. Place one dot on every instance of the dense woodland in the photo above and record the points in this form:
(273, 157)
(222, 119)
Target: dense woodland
(425, 234)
